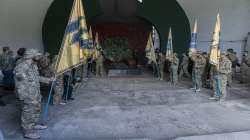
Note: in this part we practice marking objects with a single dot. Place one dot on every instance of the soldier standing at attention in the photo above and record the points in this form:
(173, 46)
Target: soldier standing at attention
(174, 63)
(27, 82)
(99, 64)
(184, 66)
(161, 64)
(198, 67)
(225, 67)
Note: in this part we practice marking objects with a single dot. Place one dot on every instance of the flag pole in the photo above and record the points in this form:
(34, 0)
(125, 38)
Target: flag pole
(45, 112)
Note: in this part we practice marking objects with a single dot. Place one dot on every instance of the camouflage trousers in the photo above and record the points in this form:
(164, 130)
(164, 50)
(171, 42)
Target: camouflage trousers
(220, 85)
(174, 75)
(229, 79)
(184, 71)
(99, 70)
(30, 115)
(58, 90)
(196, 79)
(161, 69)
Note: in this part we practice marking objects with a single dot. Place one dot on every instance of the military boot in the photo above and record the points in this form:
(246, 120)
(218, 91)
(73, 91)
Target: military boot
(32, 136)
(40, 127)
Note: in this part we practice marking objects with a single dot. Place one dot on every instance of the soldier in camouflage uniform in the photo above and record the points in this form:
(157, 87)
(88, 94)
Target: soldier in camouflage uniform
(232, 56)
(44, 64)
(184, 66)
(28, 92)
(7, 63)
(198, 67)
(99, 64)
(225, 67)
(205, 72)
(174, 63)
(161, 63)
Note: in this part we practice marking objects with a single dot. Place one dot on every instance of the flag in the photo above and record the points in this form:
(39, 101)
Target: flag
(75, 41)
(97, 47)
(88, 52)
(150, 51)
(169, 48)
(215, 47)
(193, 44)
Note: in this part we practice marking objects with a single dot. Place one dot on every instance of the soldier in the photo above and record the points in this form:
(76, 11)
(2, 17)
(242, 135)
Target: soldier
(99, 64)
(28, 92)
(7, 63)
(225, 67)
(156, 71)
(161, 63)
(245, 68)
(232, 56)
(205, 71)
(44, 64)
(184, 66)
(198, 67)
(174, 63)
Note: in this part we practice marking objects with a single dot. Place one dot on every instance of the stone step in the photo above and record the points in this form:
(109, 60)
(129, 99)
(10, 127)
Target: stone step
(244, 135)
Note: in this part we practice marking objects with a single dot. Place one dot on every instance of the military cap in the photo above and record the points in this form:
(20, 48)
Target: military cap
(31, 53)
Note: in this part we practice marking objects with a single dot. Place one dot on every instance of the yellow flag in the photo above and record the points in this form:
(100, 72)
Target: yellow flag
(215, 47)
(75, 42)
(150, 51)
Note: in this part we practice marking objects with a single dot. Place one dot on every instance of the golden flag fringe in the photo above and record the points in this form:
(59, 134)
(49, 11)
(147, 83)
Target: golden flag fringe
(215, 47)
(150, 51)
(75, 41)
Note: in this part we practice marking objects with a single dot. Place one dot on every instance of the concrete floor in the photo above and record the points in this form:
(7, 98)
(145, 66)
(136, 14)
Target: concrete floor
(139, 108)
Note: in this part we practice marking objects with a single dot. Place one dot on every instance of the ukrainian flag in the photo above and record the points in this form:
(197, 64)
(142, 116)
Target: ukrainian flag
(193, 43)
(150, 51)
(169, 48)
(75, 44)
(215, 47)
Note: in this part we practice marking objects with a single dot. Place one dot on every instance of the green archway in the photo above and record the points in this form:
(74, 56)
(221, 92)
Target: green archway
(161, 13)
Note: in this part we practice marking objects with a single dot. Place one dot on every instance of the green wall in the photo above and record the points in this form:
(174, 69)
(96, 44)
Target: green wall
(161, 13)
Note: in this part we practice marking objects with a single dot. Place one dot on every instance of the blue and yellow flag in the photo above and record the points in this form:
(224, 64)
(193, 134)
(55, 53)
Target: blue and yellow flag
(150, 50)
(75, 44)
(169, 47)
(215, 47)
(193, 43)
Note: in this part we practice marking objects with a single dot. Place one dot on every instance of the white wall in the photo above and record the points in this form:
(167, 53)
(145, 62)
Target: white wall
(235, 20)
(21, 21)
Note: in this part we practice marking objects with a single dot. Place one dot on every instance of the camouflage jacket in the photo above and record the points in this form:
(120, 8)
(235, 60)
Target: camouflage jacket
(27, 81)
(225, 66)
(199, 61)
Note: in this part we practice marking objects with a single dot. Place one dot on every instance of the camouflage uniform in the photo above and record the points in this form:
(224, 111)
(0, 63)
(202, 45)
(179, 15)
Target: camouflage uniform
(43, 65)
(225, 67)
(198, 68)
(184, 66)
(161, 64)
(28, 90)
(7, 63)
(99, 65)
(234, 60)
(174, 63)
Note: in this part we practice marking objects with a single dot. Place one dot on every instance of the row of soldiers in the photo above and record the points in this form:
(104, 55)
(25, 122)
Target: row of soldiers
(28, 70)
(203, 74)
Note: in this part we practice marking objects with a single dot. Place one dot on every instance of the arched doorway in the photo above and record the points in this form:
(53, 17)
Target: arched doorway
(130, 13)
